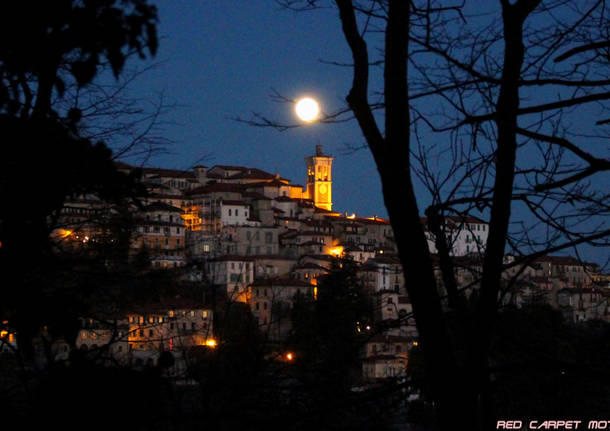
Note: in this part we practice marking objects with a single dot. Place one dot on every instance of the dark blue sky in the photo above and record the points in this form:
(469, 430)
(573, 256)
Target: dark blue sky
(220, 59)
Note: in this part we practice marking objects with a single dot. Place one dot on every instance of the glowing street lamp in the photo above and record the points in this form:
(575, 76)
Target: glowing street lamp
(307, 109)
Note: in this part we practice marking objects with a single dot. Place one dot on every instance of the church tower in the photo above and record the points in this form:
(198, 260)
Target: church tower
(319, 179)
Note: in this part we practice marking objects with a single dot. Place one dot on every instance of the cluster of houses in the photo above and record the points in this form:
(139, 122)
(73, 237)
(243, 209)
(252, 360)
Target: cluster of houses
(262, 241)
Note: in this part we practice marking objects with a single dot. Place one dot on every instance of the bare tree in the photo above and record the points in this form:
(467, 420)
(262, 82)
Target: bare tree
(501, 87)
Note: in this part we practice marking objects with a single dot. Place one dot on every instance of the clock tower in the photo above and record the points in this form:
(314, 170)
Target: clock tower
(319, 179)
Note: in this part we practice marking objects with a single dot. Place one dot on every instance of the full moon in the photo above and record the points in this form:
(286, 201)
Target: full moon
(307, 109)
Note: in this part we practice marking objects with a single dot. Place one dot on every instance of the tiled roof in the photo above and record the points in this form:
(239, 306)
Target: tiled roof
(271, 257)
(162, 206)
(234, 202)
(271, 183)
(559, 260)
(219, 187)
(171, 173)
(231, 258)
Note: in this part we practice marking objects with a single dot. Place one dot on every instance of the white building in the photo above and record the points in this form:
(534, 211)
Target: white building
(465, 235)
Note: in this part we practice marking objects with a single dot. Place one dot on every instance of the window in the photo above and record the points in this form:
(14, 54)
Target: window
(236, 212)
(268, 237)
(150, 332)
(230, 212)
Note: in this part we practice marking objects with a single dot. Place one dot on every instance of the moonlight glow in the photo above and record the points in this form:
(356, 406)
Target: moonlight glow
(307, 109)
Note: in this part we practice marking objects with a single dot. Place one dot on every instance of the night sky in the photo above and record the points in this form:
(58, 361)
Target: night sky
(218, 60)
(221, 59)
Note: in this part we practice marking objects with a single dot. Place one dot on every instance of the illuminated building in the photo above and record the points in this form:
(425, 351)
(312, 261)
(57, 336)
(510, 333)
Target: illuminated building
(319, 179)
(160, 230)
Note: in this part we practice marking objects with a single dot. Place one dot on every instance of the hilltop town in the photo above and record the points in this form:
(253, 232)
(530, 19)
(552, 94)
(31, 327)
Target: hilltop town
(257, 240)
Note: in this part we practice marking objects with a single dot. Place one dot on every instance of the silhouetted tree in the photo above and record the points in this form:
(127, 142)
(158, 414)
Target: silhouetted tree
(467, 79)
(45, 49)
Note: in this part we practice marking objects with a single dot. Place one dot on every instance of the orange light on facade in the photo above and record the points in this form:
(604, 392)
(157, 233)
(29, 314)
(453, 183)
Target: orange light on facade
(289, 356)
(351, 216)
(336, 251)
(64, 233)
(211, 343)
(192, 220)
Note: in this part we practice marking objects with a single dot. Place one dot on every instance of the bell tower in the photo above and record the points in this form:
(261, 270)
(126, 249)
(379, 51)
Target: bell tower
(319, 179)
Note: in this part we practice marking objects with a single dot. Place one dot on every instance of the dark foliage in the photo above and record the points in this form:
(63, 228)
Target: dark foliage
(545, 367)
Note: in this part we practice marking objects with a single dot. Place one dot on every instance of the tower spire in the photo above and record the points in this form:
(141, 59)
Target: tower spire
(319, 179)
